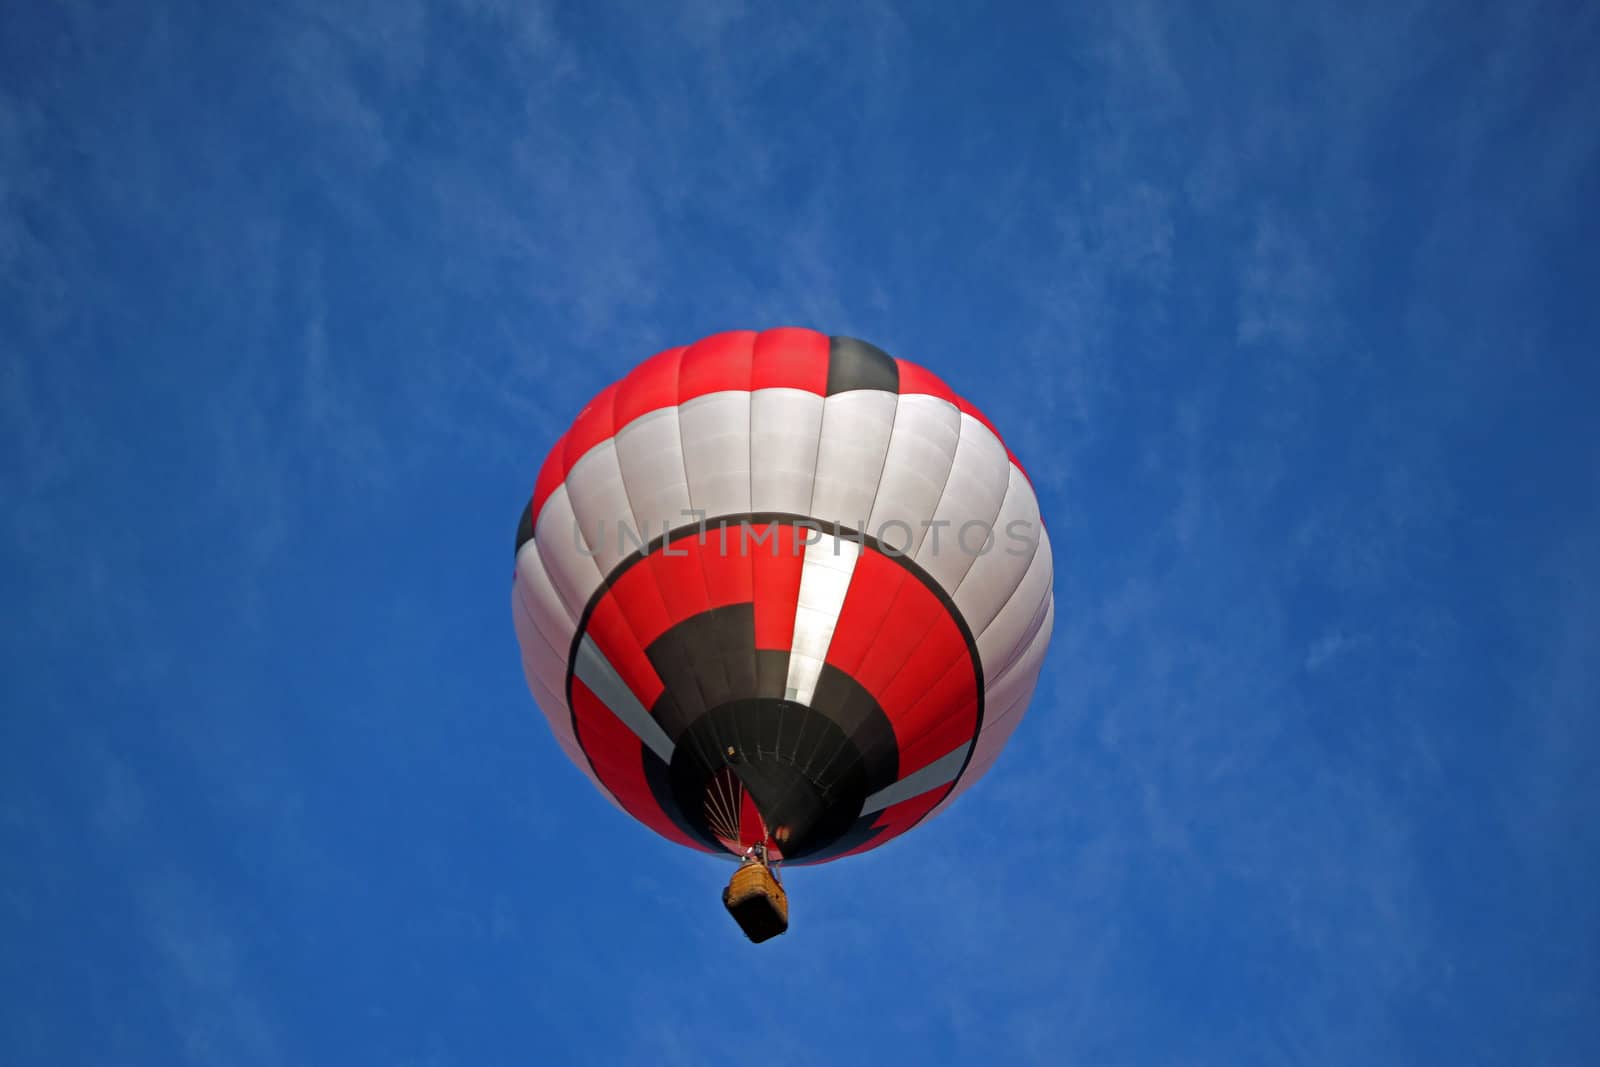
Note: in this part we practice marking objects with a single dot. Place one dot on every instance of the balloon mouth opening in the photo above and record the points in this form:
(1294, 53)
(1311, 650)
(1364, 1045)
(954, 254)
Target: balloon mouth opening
(769, 772)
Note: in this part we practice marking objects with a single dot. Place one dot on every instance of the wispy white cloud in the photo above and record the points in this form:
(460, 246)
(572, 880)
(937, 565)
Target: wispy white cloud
(206, 987)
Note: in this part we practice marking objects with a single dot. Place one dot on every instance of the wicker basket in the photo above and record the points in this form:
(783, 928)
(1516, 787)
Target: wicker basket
(757, 902)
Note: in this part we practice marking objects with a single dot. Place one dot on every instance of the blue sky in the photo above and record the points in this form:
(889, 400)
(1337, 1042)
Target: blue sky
(1288, 310)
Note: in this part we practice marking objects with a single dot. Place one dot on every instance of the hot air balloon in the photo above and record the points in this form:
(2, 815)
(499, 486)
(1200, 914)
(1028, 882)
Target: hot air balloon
(781, 597)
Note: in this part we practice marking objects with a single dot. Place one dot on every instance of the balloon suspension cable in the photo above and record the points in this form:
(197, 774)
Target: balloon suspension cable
(723, 802)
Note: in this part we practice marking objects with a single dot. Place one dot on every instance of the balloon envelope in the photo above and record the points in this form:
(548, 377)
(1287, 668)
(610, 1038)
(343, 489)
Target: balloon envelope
(782, 588)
